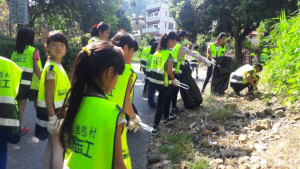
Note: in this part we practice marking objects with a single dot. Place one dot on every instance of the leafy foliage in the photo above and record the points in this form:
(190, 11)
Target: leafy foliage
(237, 17)
(282, 71)
(138, 9)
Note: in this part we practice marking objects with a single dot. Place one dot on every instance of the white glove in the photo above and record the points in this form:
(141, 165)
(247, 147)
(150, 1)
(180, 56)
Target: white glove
(53, 124)
(207, 63)
(213, 61)
(134, 123)
(175, 82)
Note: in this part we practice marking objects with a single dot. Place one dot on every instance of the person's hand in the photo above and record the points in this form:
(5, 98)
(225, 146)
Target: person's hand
(208, 63)
(175, 82)
(133, 123)
(53, 124)
(213, 61)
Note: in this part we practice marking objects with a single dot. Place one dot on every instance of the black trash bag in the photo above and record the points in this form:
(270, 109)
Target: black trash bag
(221, 74)
(192, 97)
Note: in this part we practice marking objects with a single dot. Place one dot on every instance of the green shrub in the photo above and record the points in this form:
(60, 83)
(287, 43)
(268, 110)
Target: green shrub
(282, 71)
(7, 48)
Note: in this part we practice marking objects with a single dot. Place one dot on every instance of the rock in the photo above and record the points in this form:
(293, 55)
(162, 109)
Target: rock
(236, 124)
(230, 106)
(280, 108)
(243, 167)
(218, 161)
(234, 137)
(235, 129)
(297, 118)
(205, 143)
(240, 153)
(260, 147)
(166, 164)
(279, 112)
(261, 114)
(247, 148)
(228, 153)
(229, 167)
(214, 128)
(191, 132)
(269, 111)
(217, 155)
(192, 125)
(243, 138)
(216, 147)
(247, 114)
(238, 116)
(262, 125)
(154, 158)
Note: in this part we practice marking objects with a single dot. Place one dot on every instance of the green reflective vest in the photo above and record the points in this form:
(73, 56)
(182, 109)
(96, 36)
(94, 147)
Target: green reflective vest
(149, 61)
(144, 56)
(240, 75)
(62, 86)
(118, 95)
(93, 39)
(177, 63)
(94, 130)
(158, 73)
(35, 84)
(213, 50)
(194, 61)
(25, 62)
(10, 77)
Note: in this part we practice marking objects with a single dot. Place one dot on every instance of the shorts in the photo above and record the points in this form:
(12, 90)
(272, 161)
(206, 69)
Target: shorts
(25, 92)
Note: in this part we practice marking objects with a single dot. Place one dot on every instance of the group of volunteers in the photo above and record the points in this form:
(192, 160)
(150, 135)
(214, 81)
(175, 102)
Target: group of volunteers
(162, 64)
(86, 120)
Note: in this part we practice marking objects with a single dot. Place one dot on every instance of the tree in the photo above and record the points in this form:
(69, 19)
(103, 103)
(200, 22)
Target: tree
(124, 22)
(236, 17)
(139, 8)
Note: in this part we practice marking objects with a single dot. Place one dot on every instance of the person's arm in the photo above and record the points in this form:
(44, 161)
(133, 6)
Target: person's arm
(127, 103)
(186, 51)
(250, 80)
(169, 70)
(36, 68)
(118, 157)
(208, 53)
(49, 92)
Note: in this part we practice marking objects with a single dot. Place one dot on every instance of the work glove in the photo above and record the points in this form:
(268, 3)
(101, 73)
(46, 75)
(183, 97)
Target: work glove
(213, 61)
(208, 63)
(133, 124)
(175, 82)
(53, 124)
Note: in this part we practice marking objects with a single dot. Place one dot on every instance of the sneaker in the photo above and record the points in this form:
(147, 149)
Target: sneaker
(177, 110)
(145, 94)
(170, 120)
(155, 131)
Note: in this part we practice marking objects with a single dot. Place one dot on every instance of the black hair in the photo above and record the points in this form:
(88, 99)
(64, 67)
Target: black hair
(163, 43)
(221, 35)
(151, 41)
(25, 37)
(196, 47)
(182, 34)
(259, 66)
(153, 47)
(101, 27)
(86, 72)
(56, 36)
(123, 38)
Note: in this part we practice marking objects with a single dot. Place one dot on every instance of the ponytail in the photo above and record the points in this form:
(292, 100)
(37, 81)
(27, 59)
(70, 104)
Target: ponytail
(163, 43)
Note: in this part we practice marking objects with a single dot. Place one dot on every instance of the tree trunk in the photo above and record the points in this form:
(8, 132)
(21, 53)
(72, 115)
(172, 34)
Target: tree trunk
(238, 50)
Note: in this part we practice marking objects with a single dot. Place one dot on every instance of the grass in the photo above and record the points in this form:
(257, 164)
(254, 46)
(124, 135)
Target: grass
(199, 164)
(221, 114)
(177, 146)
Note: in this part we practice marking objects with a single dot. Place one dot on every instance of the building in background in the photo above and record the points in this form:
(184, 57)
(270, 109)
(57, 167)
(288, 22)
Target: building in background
(158, 19)
(137, 25)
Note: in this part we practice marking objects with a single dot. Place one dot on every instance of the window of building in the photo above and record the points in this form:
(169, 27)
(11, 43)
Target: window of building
(171, 26)
(155, 26)
(156, 13)
(165, 25)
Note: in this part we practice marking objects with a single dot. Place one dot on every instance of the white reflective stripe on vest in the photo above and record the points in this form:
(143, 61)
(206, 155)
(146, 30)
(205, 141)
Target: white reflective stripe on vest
(25, 82)
(57, 104)
(42, 123)
(156, 81)
(236, 81)
(25, 69)
(144, 59)
(9, 122)
(7, 100)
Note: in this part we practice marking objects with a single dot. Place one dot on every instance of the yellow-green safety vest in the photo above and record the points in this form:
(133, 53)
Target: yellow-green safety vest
(93, 39)
(149, 61)
(213, 50)
(144, 56)
(177, 63)
(158, 74)
(25, 62)
(94, 130)
(118, 95)
(10, 78)
(62, 86)
(35, 83)
(194, 61)
(240, 75)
